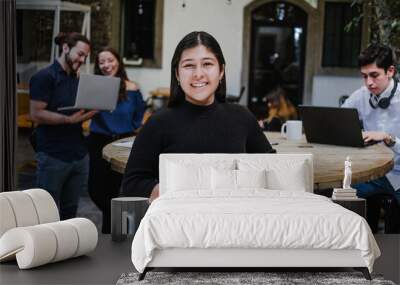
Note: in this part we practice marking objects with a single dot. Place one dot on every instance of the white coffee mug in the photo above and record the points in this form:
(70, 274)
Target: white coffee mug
(292, 130)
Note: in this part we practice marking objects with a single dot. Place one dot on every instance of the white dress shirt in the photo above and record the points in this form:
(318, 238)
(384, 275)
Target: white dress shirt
(386, 120)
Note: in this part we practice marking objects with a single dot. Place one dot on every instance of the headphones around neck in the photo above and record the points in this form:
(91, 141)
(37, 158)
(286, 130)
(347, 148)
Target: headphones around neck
(384, 102)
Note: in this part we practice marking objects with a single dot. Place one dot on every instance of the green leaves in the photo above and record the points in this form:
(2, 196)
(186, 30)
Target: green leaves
(383, 17)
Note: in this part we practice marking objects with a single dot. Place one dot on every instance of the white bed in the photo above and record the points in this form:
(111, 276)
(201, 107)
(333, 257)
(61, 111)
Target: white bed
(247, 210)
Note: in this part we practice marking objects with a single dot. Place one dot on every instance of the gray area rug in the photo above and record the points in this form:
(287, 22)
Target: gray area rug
(231, 278)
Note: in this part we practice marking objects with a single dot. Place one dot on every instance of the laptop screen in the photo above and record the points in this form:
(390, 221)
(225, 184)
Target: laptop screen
(329, 125)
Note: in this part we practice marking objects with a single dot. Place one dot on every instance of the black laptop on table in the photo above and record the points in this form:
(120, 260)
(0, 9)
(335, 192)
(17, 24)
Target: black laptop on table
(335, 126)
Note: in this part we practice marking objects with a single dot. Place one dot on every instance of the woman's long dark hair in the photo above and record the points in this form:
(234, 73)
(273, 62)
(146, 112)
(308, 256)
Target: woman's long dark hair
(177, 95)
(121, 72)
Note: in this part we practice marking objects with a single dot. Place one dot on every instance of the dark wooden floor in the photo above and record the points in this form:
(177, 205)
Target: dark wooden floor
(389, 262)
(106, 264)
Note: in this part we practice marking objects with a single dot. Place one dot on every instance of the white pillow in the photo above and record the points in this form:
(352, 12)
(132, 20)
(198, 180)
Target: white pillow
(183, 177)
(223, 179)
(290, 176)
(193, 175)
(282, 174)
(237, 179)
(251, 178)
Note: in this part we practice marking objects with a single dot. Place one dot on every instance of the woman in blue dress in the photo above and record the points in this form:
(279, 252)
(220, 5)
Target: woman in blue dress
(105, 127)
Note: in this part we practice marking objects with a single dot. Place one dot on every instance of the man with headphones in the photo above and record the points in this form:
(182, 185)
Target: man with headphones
(378, 105)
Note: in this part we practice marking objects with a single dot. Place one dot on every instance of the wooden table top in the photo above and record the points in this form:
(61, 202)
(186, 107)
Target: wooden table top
(367, 163)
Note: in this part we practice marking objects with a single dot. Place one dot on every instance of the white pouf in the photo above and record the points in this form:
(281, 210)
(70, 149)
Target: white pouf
(30, 230)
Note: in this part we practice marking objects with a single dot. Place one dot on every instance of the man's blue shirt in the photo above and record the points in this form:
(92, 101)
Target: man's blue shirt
(55, 87)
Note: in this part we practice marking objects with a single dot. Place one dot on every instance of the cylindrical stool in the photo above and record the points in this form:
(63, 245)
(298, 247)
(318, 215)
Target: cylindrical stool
(126, 214)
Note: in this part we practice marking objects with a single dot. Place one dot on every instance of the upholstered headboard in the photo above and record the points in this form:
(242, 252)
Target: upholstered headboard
(284, 171)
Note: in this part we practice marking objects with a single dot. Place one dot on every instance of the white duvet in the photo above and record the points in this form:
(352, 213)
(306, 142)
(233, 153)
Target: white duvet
(250, 219)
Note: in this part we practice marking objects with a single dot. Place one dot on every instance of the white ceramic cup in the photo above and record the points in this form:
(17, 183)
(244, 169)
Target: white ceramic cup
(292, 130)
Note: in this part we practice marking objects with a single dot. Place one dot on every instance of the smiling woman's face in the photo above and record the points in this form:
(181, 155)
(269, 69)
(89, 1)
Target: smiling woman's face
(199, 74)
(108, 63)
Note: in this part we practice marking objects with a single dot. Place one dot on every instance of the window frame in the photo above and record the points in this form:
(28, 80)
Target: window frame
(119, 13)
(365, 37)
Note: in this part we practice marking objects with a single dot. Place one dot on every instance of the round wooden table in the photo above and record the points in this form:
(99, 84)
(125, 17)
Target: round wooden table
(367, 163)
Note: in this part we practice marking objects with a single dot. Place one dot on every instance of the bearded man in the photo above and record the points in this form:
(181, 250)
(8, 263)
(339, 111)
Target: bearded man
(61, 154)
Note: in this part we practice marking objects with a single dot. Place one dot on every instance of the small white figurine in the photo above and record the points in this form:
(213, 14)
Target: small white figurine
(347, 173)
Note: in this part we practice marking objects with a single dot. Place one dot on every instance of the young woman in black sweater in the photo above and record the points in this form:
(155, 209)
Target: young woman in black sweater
(197, 119)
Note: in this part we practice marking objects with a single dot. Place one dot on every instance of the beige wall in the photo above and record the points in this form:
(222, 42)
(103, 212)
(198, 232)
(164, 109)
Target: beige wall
(327, 89)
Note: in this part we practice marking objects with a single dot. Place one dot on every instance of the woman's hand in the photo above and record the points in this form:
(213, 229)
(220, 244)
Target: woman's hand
(154, 193)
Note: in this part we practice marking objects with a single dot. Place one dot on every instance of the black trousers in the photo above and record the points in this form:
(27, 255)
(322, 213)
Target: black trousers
(104, 183)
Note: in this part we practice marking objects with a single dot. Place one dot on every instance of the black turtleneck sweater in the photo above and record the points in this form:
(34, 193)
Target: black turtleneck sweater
(189, 128)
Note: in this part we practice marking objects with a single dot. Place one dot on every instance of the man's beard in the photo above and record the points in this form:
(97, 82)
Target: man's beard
(70, 64)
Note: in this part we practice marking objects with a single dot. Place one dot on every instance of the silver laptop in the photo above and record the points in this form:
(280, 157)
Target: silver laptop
(96, 92)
